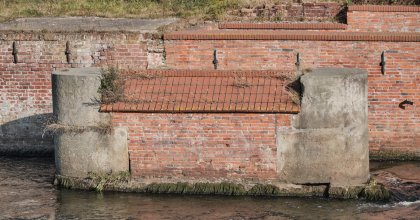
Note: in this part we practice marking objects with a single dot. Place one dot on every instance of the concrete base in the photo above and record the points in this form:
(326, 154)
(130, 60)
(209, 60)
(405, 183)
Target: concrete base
(207, 188)
(328, 142)
(79, 154)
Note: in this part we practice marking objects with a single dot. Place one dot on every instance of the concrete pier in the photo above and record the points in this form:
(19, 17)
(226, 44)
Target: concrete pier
(82, 143)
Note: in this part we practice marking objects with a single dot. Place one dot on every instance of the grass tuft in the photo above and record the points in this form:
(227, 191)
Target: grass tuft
(101, 180)
(111, 87)
(376, 192)
(204, 9)
(241, 82)
(188, 9)
(60, 128)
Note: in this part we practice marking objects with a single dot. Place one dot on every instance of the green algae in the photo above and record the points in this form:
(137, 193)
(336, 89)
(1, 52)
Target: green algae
(372, 191)
(264, 190)
(94, 181)
(223, 188)
(390, 155)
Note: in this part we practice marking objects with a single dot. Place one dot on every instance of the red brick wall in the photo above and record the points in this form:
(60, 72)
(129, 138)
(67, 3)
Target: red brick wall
(384, 18)
(390, 127)
(234, 146)
(290, 12)
(25, 87)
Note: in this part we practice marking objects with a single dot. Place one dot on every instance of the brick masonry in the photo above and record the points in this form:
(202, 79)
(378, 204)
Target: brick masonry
(291, 12)
(25, 86)
(390, 127)
(384, 18)
(203, 146)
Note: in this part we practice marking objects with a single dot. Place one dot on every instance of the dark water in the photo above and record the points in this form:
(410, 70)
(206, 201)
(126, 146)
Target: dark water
(26, 192)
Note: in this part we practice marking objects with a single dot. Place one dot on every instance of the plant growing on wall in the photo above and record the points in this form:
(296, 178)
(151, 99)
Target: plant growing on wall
(111, 87)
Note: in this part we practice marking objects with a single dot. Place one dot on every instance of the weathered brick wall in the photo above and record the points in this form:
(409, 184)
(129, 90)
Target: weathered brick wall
(290, 12)
(384, 18)
(188, 146)
(390, 127)
(25, 86)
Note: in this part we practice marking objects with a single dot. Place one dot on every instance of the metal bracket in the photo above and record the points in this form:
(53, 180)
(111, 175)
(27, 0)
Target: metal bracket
(383, 62)
(405, 102)
(297, 60)
(68, 52)
(15, 52)
(215, 61)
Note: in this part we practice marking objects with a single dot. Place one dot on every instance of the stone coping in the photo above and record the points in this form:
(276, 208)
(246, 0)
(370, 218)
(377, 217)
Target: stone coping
(293, 35)
(384, 8)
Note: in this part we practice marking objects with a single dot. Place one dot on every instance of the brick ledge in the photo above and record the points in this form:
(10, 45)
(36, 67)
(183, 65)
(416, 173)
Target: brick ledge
(293, 35)
(384, 8)
(291, 26)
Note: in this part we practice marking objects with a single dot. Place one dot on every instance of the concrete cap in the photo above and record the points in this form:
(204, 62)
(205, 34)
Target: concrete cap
(86, 71)
(336, 72)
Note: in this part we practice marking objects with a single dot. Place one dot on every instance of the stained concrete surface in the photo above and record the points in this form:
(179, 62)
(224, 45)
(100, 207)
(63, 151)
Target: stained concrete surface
(75, 95)
(328, 142)
(73, 24)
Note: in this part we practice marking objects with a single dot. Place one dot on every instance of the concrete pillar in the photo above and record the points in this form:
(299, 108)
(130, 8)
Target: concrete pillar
(328, 142)
(82, 146)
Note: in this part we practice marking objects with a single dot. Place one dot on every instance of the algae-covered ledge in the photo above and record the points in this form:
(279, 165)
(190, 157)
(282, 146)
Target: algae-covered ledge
(320, 151)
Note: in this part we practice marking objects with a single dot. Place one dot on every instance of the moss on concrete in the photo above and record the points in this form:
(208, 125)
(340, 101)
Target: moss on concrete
(352, 192)
(95, 181)
(264, 190)
(224, 188)
(389, 155)
(121, 182)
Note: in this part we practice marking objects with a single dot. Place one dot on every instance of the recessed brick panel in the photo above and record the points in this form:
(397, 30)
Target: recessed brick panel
(238, 147)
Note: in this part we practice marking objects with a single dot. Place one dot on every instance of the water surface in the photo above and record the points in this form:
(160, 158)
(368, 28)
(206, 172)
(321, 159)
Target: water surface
(26, 192)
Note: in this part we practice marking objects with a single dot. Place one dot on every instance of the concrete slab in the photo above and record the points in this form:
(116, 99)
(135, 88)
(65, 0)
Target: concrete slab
(74, 24)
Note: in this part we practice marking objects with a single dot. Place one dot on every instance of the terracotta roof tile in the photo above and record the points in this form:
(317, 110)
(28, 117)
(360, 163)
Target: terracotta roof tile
(173, 91)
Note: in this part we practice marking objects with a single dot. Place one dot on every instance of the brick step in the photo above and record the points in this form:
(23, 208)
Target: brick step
(284, 26)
